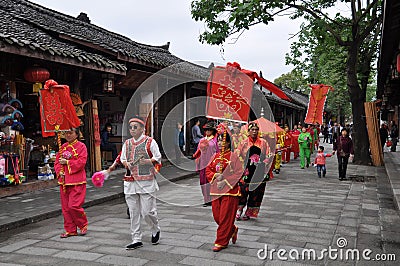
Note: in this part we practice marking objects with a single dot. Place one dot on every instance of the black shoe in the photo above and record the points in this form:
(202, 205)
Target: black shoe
(307, 165)
(323, 175)
(134, 246)
(154, 239)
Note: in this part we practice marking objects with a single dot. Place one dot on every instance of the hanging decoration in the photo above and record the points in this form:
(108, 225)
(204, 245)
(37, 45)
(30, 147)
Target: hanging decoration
(316, 103)
(36, 75)
(229, 92)
(56, 109)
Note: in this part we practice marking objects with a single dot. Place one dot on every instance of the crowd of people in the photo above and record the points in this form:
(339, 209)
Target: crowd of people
(234, 166)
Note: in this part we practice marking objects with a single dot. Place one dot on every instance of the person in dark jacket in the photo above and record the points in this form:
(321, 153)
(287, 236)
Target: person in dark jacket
(384, 134)
(394, 134)
(344, 148)
(105, 144)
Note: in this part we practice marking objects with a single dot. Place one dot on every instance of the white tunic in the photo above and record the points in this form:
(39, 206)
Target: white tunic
(143, 186)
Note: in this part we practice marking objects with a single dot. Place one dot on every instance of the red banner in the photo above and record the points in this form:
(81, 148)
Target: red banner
(229, 94)
(56, 108)
(316, 103)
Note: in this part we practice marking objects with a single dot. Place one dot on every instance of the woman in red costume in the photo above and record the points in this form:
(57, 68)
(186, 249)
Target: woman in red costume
(256, 151)
(224, 173)
(295, 144)
(287, 139)
(70, 168)
(207, 148)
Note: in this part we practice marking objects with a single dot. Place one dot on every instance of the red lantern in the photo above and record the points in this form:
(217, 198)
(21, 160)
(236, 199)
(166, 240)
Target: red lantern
(36, 74)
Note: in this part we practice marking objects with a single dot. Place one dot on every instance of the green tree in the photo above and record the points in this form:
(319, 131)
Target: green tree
(293, 80)
(357, 34)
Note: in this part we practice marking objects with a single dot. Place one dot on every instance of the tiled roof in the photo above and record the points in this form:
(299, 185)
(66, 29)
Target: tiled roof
(39, 28)
(19, 33)
(297, 97)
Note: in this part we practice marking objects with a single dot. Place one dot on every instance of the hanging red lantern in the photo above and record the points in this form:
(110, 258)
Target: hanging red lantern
(36, 75)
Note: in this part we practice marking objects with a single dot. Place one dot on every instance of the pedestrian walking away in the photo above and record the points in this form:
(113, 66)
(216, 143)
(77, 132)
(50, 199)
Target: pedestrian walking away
(344, 148)
(320, 161)
(70, 168)
(141, 158)
(383, 134)
(224, 173)
(394, 135)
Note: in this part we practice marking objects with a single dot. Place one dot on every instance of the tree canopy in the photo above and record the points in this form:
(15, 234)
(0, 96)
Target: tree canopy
(336, 47)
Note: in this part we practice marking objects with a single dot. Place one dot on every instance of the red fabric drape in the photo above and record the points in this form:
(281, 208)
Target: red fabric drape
(263, 82)
(316, 103)
(56, 108)
(229, 92)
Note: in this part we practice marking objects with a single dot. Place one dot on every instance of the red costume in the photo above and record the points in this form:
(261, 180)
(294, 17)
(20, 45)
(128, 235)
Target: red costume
(225, 200)
(253, 182)
(72, 180)
(295, 143)
(287, 145)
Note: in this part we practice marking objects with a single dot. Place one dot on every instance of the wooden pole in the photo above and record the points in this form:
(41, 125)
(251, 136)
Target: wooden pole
(373, 134)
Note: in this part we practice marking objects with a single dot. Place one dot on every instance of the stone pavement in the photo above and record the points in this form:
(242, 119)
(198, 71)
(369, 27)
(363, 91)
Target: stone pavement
(22, 209)
(300, 213)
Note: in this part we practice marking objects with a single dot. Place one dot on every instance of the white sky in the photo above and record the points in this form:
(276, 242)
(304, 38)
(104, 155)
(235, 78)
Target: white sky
(155, 22)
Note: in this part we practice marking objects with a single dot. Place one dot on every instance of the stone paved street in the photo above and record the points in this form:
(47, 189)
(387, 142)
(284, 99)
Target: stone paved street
(300, 212)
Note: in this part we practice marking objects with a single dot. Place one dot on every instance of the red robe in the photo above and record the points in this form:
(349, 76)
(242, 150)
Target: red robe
(295, 142)
(72, 185)
(287, 143)
(225, 201)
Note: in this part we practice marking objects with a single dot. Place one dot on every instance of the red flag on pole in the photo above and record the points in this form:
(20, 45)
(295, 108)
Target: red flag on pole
(56, 108)
(229, 92)
(316, 103)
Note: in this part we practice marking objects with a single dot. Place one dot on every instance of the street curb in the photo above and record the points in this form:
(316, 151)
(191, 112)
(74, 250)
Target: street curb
(55, 213)
(392, 173)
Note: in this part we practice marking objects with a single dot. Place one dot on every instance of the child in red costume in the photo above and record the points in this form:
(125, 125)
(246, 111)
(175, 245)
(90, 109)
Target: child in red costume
(320, 161)
(287, 143)
(70, 168)
(224, 173)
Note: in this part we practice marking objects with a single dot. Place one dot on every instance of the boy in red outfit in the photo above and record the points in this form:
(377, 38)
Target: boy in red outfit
(224, 172)
(320, 160)
(70, 168)
(287, 140)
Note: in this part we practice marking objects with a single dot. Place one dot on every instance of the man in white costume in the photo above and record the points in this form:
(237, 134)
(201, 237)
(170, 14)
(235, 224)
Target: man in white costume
(141, 157)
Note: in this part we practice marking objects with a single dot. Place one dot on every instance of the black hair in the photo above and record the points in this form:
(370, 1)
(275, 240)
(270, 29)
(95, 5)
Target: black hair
(108, 124)
(228, 138)
(77, 131)
(321, 148)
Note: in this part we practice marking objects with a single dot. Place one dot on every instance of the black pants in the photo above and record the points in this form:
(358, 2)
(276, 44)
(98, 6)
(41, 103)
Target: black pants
(343, 161)
(394, 144)
(110, 147)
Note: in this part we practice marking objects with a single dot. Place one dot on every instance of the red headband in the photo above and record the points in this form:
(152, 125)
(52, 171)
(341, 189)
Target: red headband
(137, 120)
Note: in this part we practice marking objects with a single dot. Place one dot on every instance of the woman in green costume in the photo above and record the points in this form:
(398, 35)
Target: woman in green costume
(305, 140)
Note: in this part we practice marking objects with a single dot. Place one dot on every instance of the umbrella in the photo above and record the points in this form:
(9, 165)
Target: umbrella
(266, 127)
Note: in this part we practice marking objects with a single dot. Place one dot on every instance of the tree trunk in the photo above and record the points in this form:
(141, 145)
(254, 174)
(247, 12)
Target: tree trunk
(357, 99)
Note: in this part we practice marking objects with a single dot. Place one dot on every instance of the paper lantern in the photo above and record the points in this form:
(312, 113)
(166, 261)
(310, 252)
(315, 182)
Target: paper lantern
(36, 75)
